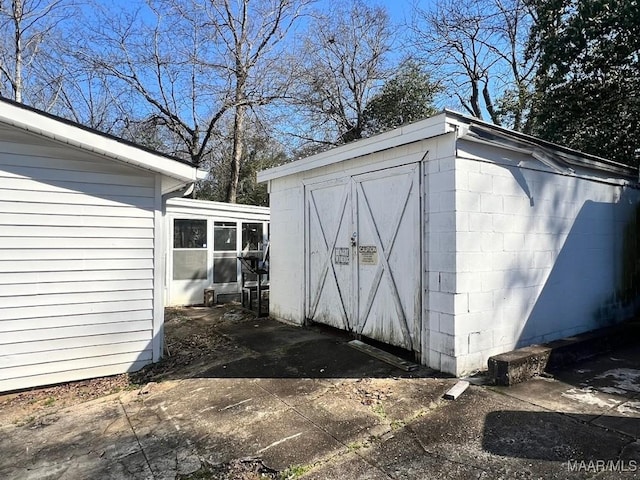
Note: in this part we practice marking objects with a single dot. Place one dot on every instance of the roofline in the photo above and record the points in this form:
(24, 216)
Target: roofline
(220, 206)
(447, 121)
(66, 131)
(570, 155)
(413, 132)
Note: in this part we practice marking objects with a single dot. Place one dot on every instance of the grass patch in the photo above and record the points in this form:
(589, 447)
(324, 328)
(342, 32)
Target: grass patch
(397, 424)
(379, 410)
(294, 472)
(355, 446)
(24, 421)
(49, 401)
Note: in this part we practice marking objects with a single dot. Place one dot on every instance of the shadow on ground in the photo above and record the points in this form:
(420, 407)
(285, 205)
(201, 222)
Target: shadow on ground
(233, 343)
(238, 397)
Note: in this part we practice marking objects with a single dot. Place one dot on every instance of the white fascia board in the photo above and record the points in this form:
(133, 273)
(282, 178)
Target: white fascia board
(43, 125)
(208, 207)
(414, 132)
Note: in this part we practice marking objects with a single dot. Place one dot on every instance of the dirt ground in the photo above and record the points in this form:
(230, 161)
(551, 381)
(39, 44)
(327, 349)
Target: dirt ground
(191, 343)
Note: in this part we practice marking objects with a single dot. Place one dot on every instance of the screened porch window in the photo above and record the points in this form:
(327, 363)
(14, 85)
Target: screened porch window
(251, 236)
(225, 263)
(189, 249)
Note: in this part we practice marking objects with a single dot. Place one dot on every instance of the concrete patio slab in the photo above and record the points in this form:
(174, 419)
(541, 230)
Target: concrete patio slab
(313, 406)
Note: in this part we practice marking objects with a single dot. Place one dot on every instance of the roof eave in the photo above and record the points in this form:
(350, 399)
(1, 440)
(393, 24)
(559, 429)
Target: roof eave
(47, 126)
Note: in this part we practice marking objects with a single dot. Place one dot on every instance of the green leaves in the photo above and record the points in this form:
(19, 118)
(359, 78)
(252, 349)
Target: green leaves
(407, 97)
(588, 80)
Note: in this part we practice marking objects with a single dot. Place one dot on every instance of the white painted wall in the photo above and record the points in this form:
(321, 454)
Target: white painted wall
(514, 252)
(286, 267)
(440, 246)
(287, 291)
(537, 252)
(76, 265)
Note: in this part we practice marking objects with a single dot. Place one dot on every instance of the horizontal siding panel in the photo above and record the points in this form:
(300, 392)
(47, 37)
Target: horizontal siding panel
(50, 175)
(13, 219)
(74, 364)
(75, 232)
(19, 341)
(71, 375)
(76, 264)
(74, 254)
(73, 187)
(76, 199)
(74, 276)
(71, 243)
(78, 309)
(61, 209)
(75, 287)
(56, 350)
(59, 300)
(66, 265)
(60, 344)
(63, 321)
(62, 158)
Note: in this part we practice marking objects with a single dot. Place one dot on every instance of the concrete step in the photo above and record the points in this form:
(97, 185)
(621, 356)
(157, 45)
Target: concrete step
(524, 363)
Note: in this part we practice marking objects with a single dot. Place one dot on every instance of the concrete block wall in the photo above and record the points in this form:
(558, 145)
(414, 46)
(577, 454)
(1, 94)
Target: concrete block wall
(535, 253)
(439, 243)
(287, 277)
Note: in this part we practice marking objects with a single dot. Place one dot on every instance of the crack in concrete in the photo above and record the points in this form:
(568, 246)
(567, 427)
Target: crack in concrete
(319, 427)
(432, 454)
(135, 434)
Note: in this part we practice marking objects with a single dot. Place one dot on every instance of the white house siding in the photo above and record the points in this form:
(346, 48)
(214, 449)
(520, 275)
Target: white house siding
(537, 252)
(76, 265)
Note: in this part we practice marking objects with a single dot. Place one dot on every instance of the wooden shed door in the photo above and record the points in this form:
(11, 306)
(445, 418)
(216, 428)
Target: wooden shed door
(329, 276)
(364, 255)
(388, 273)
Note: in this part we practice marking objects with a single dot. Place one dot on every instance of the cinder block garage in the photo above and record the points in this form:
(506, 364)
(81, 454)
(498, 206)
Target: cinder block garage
(452, 238)
(81, 250)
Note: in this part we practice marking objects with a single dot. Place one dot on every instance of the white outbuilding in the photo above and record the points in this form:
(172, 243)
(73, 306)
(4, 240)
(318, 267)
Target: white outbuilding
(451, 237)
(203, 244)
(81, 249)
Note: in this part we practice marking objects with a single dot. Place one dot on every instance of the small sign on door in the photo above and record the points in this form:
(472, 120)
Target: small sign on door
(368, 255)
(341, 256)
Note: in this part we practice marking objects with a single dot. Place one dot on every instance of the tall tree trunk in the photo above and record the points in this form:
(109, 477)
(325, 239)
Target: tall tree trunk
(475, 98)
(236, 156)
(17, 79)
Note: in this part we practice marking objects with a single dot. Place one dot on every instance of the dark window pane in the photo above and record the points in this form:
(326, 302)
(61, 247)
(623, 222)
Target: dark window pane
(251, 236)
(189, 264)
(224, 236)
(189, 233)
(225, 270)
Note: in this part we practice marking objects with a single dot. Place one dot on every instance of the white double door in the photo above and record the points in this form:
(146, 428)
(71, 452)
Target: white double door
(363, 255)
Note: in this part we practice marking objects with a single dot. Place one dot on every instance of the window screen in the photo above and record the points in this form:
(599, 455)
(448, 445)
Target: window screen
(252, 236)
(224, 236)
(189, 233)
(190, 265)
(225, 270)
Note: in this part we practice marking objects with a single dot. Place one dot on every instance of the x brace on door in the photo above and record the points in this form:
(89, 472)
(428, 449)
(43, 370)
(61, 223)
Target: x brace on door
(328, 255)
(383, 266)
